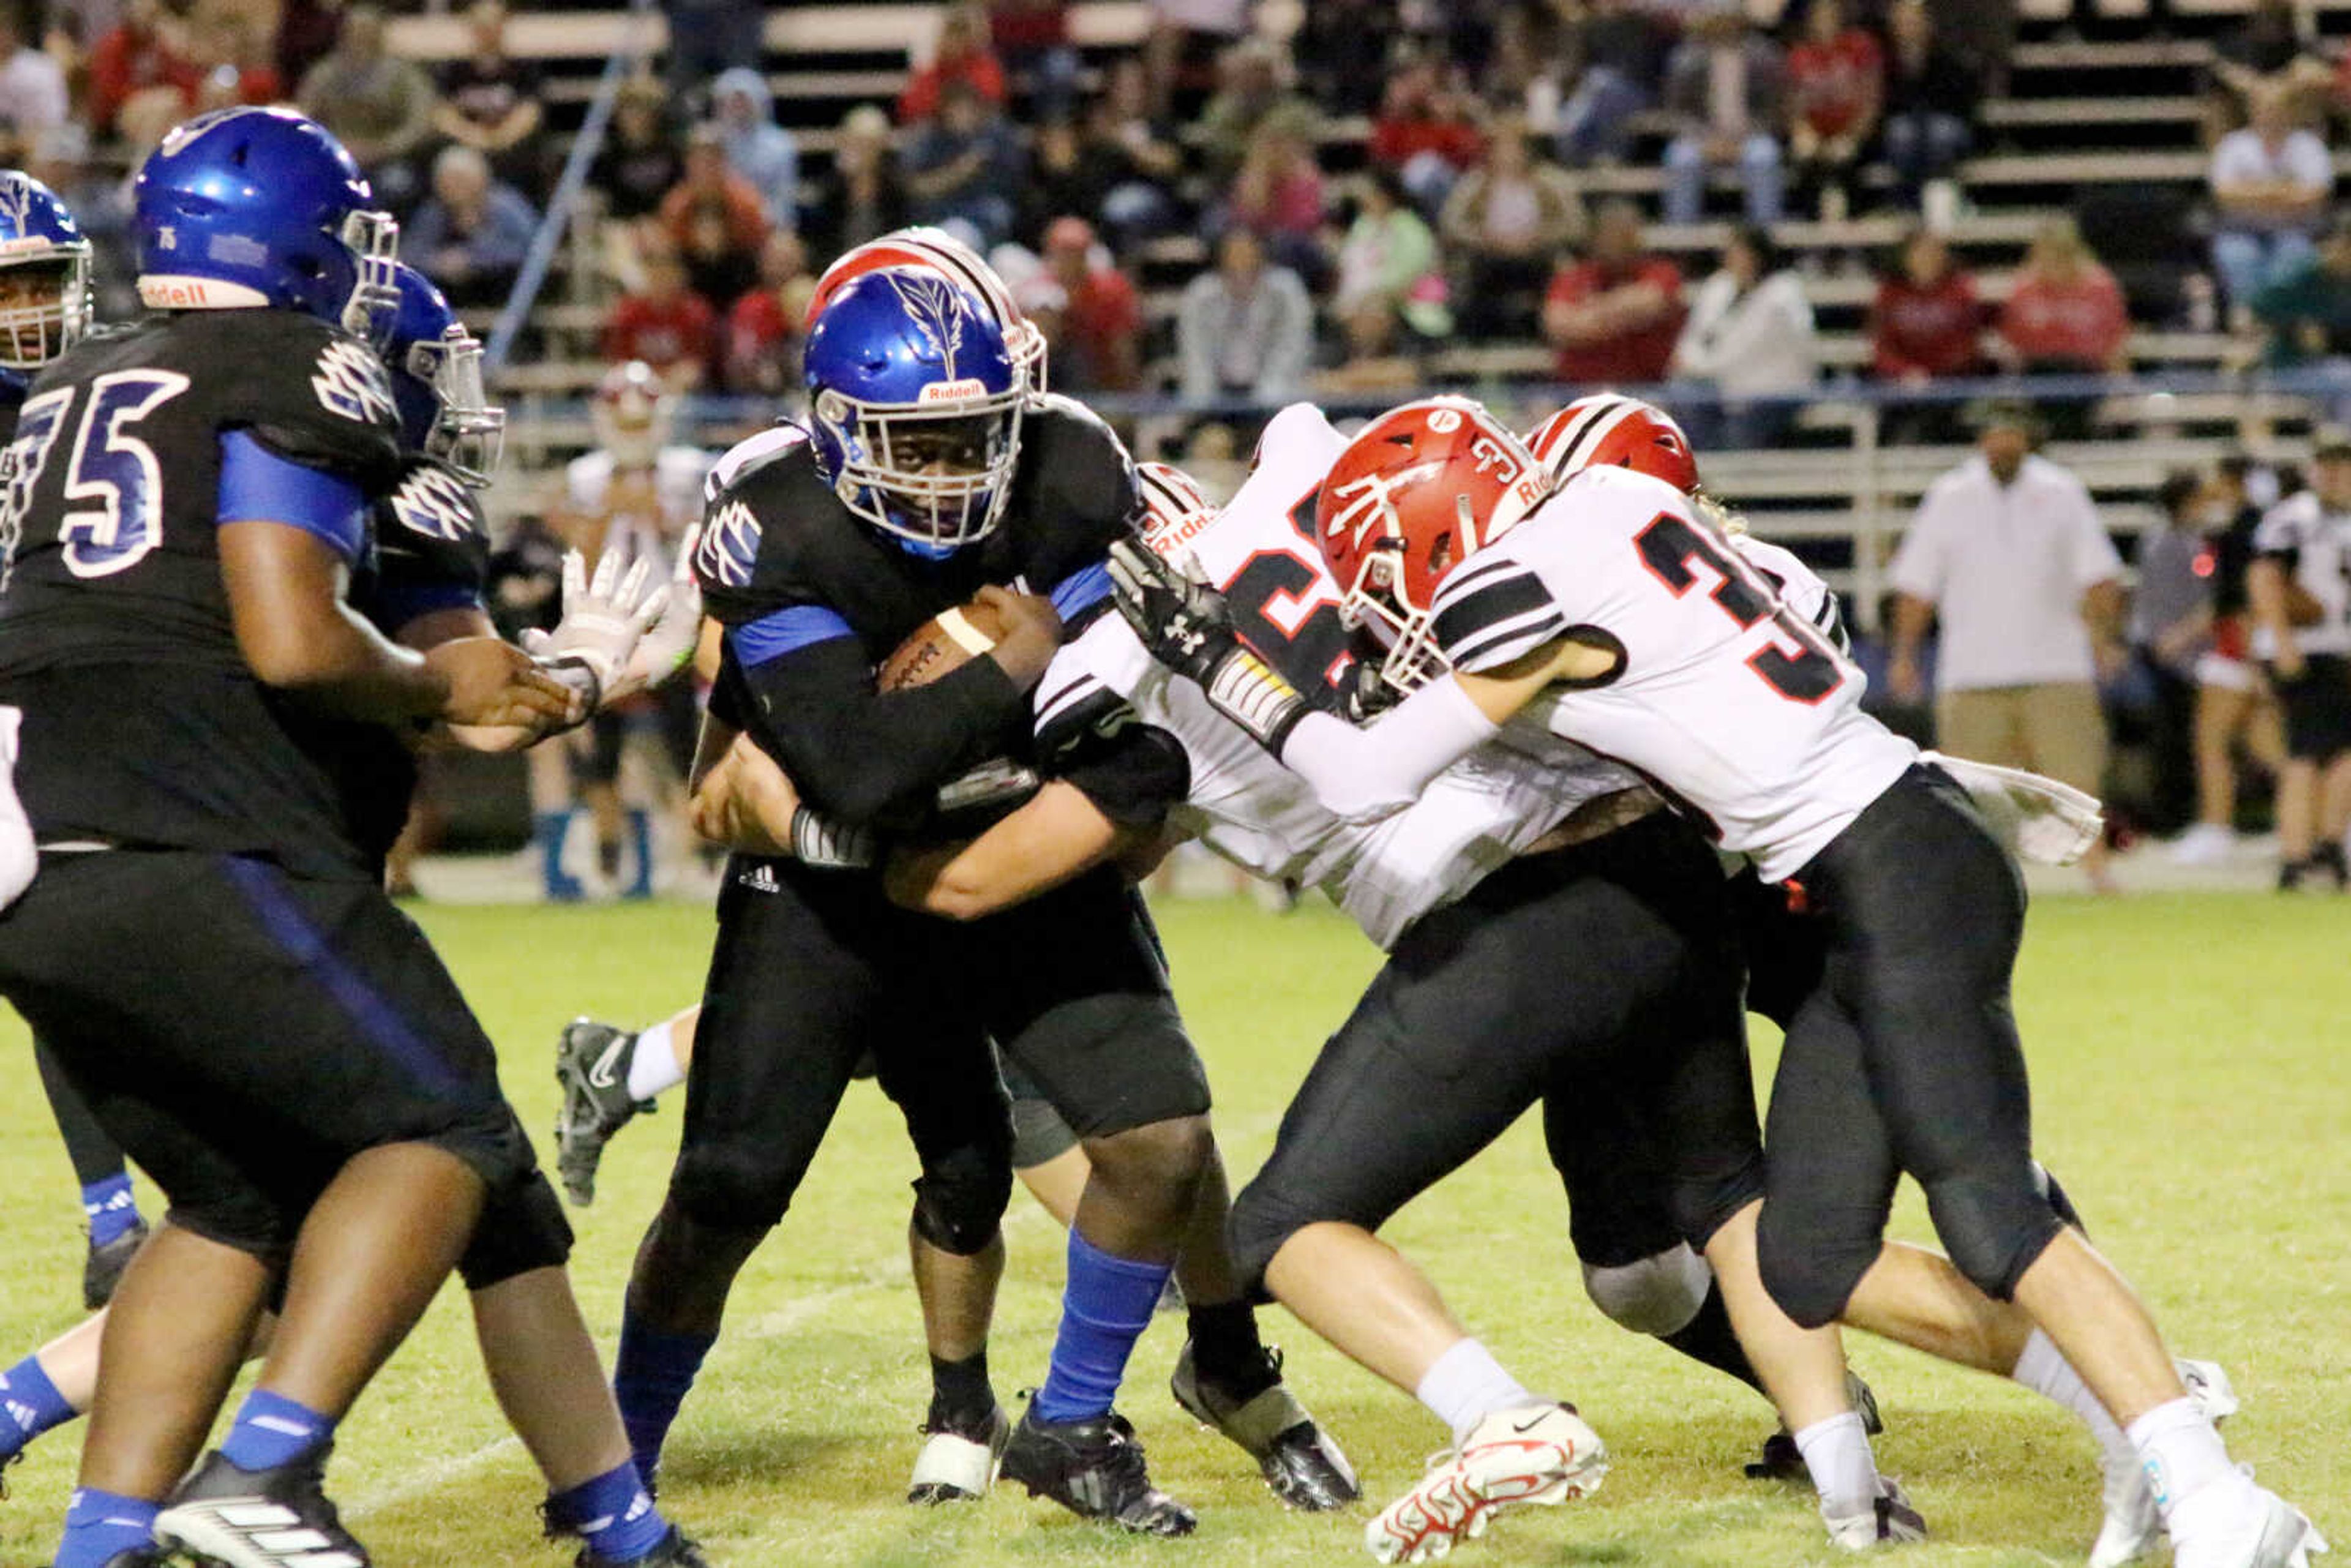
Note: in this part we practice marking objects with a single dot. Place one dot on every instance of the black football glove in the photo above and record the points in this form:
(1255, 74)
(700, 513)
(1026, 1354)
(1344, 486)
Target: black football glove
(1185, 625)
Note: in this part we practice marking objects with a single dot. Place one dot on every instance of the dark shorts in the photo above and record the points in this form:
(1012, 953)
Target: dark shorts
(1592, 978)
(242, 1032)
(2317, 708)
(1038, 1134)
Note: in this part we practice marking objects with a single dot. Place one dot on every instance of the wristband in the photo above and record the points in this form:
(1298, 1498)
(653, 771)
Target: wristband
(817, 841)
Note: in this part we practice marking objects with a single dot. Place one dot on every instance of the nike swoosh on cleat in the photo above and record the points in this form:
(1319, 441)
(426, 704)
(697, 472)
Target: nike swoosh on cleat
(601, 1074)
(1523, 1428)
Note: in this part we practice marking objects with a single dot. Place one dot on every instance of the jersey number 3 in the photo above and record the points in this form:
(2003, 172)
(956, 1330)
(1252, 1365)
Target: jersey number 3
(1805, 673)
(114, 485)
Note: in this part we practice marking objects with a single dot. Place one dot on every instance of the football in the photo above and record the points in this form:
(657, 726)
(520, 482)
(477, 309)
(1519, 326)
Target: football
(943, 644)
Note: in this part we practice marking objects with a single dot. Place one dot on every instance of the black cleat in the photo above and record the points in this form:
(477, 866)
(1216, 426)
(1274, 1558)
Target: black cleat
(674, 1551)
(280, 1518)
(957, 1464)
(1298, 1459)
(1782, 1461)
(102, 1270)
(591, 1063)
(1095, 1469)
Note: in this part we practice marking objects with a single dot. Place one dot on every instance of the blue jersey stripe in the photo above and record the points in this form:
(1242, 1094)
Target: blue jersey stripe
(256, 485)
(786, 632)
(1082, 590)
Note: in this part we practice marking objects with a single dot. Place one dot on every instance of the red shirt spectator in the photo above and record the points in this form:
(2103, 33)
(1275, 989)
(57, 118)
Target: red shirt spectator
(1614, 319)
(716, 219)
(962, 57)
(763, 329)
(2066, 311)
(1417, 116)
(1926, 320)
(667, 325)
(1027, 26)
(1834, 81)
(135, 54)
(1101, 320)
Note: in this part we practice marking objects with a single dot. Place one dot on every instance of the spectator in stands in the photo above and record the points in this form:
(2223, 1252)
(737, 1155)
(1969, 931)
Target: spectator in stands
(1750, 338)
(32, 86)
(708, 37)
(863, 195)
(1389, 272)
(307, 31)
(1926, 322)
(1186, 38)
(2233, 705)
(1067, 173)
(489, 102)
(1032, 38)
(666, 324)
(2171, 622)
(1725, 90)
(1504, 222)
(2267, 48)
(2302, 632)
(1615, 318)
(100, 202)
(1250, 100)
(1100, 345)
(2064, 313)
(471, 233)
(1279, 194)
(1341, 51)
(1521, 76)
(2306, 313)
(2270, 184)
(2007, 549)
(1617, 51)
(715, 219)
(763, 329)
(1933, 92)
(381, 107)
(758, 150)
(1837, 86)
(143, 55)
(1425, 133)
(966, 167)
(1246, 328)
(229, 49)
(639, 161)
(1148, 160)
(961, 59)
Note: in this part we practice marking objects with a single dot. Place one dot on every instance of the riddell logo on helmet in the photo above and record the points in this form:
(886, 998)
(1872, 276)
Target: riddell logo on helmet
(164, 292)
(953, 391)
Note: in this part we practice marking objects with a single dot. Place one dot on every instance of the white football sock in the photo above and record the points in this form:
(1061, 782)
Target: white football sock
(2181, 1451)
(1845, 1472)
(2044, 1369)
(1466, 1385)
(652, 1067)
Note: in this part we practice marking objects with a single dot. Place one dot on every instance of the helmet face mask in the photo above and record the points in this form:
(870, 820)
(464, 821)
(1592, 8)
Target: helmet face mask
(45, 297)
(436, 380)
(372, 238)
(935, 478)
(632, 414)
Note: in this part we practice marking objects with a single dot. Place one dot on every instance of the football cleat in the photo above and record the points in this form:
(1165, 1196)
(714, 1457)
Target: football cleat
(1533, 1454)
(1095, 1469)
(2233, 1523)
(1297, 1458)
(1889, 1520)
(591, 1063)
(959, 1467)
(1781, 1460)
(278, 1517)
(2132, 1521)
(674, 1551)
(101, 1270)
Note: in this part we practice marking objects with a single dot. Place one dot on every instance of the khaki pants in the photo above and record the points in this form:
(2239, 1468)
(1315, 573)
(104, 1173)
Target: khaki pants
(2054, 729)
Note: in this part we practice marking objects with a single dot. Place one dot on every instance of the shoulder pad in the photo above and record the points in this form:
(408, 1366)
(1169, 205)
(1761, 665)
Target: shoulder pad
(312, 393)
(749, 454)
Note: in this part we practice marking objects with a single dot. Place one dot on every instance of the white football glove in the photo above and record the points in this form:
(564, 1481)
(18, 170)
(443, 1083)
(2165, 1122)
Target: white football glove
(603, 623)
(664, 650)
(2038, 819)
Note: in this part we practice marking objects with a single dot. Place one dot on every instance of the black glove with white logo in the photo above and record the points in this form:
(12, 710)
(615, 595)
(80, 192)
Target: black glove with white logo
(1185, 625)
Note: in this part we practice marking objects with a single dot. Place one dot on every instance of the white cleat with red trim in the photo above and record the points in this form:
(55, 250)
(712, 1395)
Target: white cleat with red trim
(1533, 1454)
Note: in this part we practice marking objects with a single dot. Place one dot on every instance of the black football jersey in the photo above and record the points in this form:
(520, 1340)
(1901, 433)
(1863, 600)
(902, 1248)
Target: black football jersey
(143, 724)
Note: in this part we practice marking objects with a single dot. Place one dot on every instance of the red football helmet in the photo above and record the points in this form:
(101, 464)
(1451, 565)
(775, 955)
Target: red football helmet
(1175, 507)
(935, 250)
(1422, 489)
(1606, 431)
(631, 413)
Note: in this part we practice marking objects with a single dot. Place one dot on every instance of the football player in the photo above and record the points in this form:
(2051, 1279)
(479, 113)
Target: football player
(930, 473)
(422, 586)
(1610, 608)
(267, 1035)
(44, 309)
(2300, 588)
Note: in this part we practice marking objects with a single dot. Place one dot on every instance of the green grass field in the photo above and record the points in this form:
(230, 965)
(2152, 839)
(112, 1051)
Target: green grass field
(2189, 1056)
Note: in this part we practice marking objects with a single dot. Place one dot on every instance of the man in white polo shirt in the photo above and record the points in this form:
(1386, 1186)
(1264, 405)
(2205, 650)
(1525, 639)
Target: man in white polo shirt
(2008, 549)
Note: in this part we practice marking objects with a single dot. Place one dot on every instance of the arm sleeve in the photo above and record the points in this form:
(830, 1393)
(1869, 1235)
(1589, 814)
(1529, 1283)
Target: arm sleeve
(869, 759)
(1366, 774)
(258, 485)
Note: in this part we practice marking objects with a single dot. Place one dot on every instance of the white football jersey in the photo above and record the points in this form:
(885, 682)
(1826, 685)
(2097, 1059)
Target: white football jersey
(1250, 809)
(1728, 699)
(2320, 542)
(678, 474)
(1799, 587)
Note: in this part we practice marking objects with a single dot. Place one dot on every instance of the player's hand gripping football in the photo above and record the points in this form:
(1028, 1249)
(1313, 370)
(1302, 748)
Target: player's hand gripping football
(1185, 625)
(604, 618)
(1031, 635)
(492, 685)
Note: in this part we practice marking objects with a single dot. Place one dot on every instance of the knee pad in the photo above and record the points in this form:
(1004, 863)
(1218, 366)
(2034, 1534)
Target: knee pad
(959, 1200)
(522, 1229)
(1658, 1295)
(1993, 1228)
(1811, 1263)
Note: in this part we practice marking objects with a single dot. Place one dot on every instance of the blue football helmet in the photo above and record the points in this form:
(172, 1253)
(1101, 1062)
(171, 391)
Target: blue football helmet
(915, 408)
(436, 380)
(44, 305)
(246, 207)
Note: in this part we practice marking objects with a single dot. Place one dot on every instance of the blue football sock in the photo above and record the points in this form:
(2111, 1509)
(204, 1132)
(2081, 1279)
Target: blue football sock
(641, 844)
(649, 1380)
(613, 1514)
(273, 1431)
(101, 1524)
(29, 1406)
(1105, 1306)
(111, 1206)
(548, 828)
